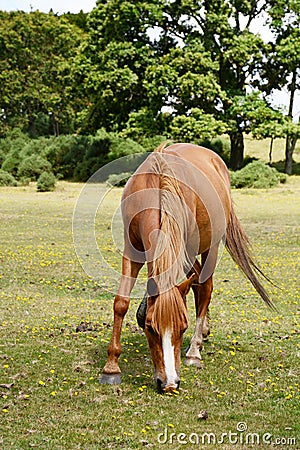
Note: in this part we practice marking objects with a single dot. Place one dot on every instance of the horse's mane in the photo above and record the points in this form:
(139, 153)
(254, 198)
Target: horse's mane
(170, 257)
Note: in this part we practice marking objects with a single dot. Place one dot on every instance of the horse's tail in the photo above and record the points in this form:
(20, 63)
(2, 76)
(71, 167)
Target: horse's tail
(238, 245)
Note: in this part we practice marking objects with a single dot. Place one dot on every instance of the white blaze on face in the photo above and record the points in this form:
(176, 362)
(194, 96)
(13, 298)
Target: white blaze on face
(169, 359)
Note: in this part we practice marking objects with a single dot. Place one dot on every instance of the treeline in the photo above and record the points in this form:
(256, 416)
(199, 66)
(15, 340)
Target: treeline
(143, 71)
(70, 157)
(78, 157)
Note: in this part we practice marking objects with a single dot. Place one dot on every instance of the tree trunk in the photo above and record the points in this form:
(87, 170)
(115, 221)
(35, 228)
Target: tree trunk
(289, 150)
(271, 151)
(55, 125)
(237, 150)
(31, 126)
(290, 140)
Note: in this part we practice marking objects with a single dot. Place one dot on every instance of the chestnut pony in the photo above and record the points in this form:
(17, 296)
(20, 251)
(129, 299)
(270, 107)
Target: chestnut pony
(177, 205)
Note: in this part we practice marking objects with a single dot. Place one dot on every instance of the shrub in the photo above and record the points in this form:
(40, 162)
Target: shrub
(6, 179)
(86, 169)
(2, 156)
(46, 182)
(99, 145)
(11, 163)
(151, 143)
(33, 166)
(100, 150)
(65, 153)
(119, 179)
(10, 148)
(123, 147)
(256, 175)
(35, 147)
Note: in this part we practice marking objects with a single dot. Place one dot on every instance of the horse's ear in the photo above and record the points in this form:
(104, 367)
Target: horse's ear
(185, 286)
(152, 288)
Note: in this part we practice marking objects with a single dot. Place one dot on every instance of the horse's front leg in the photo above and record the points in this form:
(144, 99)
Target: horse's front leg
(111, 373)
(202, 293)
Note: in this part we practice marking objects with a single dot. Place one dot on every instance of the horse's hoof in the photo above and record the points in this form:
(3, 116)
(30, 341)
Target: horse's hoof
(110, 378)
(190, 361)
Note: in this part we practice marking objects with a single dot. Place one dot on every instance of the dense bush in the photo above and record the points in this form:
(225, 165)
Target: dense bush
(256, 175)
(94, 156)
(149, 144)
(33, 166)
(16, 147)
(11, 162)
(79, 157)
(65, 152)
(36, 147)
(6, 179)
(2, 156)
(67, 156)
(119, 179)
(101, 149)
(11, 147)
(122, 147)
(86, 169)
(14, 139)
(46, 182)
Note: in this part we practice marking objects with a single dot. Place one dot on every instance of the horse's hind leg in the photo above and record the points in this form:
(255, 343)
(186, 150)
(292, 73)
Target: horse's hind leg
(111, 372)
(206, 325)
(202, 293)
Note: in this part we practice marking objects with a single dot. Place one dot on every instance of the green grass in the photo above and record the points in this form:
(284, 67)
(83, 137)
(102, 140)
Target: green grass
(50, 395)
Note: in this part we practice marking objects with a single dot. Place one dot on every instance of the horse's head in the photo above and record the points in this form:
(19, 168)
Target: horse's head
(165, 322)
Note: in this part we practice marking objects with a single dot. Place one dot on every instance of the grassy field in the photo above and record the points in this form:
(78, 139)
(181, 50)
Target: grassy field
(260, 150)
(50, 395)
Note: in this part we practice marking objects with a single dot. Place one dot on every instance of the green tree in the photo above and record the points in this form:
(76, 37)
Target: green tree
(196, 127)
(112, 63)
(35, 54)
(188, 79)
(183, 79)
(282, 67)
(79, 19)
(223, 29)
(176, 83)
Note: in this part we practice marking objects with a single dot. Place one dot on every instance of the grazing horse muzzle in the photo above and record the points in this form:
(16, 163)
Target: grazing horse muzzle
(165, 323)
(165, 388)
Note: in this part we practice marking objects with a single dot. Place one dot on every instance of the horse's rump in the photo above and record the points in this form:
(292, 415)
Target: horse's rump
(180, 209)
